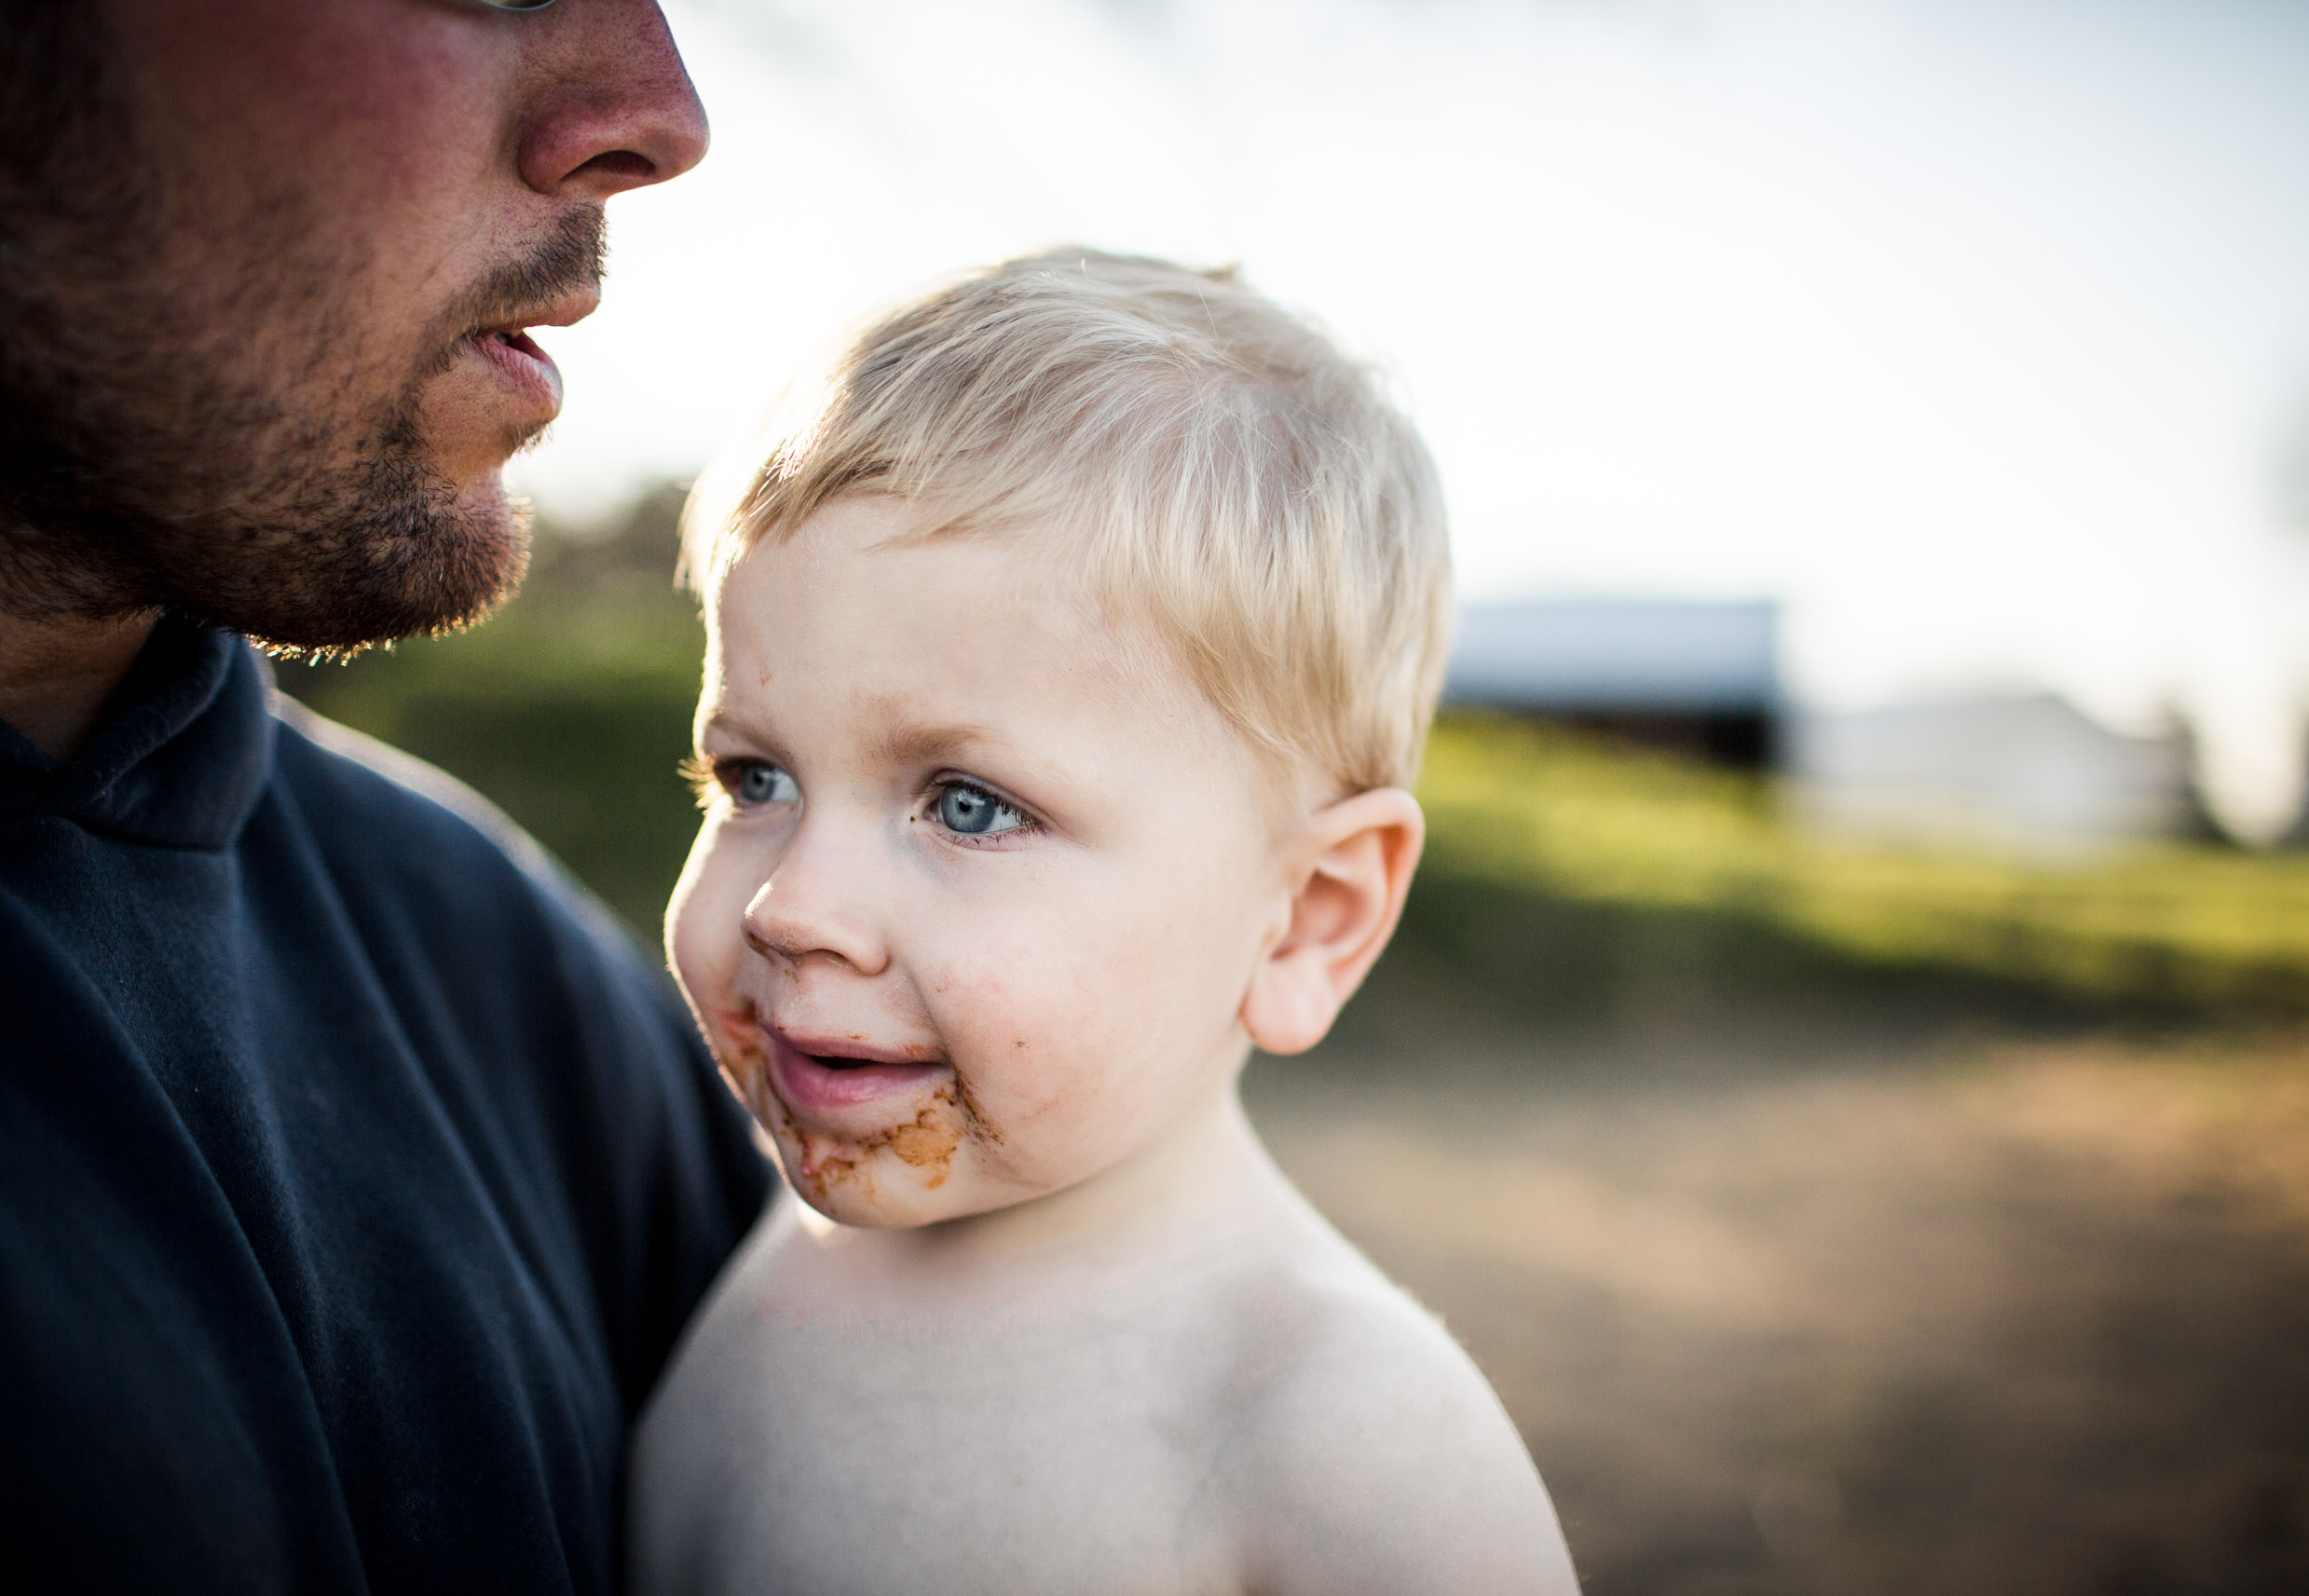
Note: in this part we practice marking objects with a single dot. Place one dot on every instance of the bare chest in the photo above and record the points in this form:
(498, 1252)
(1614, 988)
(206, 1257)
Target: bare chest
(805, 1449)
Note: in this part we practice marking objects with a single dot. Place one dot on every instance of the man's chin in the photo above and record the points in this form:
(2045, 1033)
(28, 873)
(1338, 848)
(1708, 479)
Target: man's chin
(425, 565)
(490, 559)
(487, 511)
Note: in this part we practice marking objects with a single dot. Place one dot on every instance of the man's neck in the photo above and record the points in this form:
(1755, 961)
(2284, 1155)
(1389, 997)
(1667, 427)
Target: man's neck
(57, 676)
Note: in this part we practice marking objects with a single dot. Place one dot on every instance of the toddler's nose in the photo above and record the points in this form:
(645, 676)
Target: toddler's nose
(789, 920)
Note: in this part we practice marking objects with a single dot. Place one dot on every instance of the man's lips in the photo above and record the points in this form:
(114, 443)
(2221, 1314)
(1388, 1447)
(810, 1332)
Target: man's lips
(566, 311)
(526, 370)
(524, 373)
(827, 1073)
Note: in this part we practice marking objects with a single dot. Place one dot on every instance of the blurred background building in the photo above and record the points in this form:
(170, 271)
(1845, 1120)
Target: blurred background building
(1692, 677)
(2025, 772)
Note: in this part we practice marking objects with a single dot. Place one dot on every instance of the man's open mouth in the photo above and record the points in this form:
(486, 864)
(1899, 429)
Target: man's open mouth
(504, 341)
(519, 340)
(528, 373)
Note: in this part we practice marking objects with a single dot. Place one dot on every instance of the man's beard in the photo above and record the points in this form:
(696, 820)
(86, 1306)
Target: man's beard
(179, 440)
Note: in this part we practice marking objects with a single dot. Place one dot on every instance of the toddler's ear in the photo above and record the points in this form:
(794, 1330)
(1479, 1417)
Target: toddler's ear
(1349, 892)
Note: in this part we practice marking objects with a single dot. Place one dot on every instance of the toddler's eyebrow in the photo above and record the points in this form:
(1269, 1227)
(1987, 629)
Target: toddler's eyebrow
(922, 742)
(730, 723)
(907, 743)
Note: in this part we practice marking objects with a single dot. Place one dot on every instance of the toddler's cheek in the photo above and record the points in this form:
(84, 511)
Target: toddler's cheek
(736, 1041)
(705, 938)
(1035, 1127)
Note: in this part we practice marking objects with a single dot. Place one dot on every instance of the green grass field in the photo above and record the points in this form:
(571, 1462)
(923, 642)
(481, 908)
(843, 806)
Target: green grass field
(1558, 816)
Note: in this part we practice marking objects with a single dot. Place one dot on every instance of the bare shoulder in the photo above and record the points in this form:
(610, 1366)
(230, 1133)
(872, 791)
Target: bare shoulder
(1374, 1457)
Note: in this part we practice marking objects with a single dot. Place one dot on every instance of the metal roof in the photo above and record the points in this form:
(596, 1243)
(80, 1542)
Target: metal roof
(1617, 655)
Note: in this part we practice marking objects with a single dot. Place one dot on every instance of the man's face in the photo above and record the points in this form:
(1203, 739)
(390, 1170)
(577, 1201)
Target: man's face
(267, 350)
(982, 882)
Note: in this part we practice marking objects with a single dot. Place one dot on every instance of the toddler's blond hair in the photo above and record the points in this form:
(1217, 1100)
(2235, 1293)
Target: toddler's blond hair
(1225, 473)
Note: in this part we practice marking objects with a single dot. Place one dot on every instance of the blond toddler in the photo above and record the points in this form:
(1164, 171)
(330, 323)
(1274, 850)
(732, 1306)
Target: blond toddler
(1069, 654)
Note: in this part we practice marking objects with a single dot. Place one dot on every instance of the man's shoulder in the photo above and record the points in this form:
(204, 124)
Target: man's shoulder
(350, 777)
(411, 826)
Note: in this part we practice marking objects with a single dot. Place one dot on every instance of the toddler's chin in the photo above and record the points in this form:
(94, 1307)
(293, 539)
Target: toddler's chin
(868, 1189)
(863, 1211)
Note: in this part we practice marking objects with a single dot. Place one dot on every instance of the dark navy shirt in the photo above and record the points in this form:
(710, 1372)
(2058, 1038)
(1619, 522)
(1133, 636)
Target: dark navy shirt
(356, 1175)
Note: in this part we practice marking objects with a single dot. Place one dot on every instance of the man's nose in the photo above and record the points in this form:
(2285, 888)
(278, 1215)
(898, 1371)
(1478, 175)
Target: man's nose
(614, 108)
(813, 908)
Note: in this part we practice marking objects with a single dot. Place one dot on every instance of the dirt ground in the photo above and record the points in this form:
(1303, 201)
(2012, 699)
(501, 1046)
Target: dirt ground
(1977, 1318)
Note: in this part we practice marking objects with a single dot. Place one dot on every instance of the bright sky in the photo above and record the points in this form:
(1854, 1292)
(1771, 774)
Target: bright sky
(1972, 329)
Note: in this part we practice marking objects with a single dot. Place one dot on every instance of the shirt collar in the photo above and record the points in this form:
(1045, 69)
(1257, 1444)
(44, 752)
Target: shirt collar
(180, 762)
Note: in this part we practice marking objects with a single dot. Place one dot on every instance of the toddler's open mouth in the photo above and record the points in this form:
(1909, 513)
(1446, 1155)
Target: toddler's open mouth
(825, 1073)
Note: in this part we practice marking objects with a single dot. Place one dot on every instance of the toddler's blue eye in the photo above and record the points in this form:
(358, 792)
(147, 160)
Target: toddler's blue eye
(974, 812)
(753, 782)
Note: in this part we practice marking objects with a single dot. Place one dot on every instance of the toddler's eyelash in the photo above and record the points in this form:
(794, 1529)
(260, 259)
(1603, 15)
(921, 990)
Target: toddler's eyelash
(703, 778)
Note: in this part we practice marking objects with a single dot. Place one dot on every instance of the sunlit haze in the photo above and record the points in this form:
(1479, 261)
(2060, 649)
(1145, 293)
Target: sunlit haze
(1974, 329)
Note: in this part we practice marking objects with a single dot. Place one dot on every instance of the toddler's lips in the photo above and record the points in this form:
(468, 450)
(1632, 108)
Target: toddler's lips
(813, 1072)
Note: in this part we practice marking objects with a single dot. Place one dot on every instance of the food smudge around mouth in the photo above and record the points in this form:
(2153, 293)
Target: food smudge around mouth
(982, 1130)
(928, 1144)
(925, 1144)
(744, 1061)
